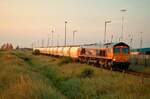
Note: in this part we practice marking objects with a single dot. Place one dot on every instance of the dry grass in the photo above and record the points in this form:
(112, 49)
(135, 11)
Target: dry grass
(19, 80)
(24, 76)
(26, 88)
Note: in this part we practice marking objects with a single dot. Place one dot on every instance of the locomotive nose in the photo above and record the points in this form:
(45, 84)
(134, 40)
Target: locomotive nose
(121, 58)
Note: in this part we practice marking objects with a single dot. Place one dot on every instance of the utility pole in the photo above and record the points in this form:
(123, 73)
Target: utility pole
(65, 31)
(106, 22)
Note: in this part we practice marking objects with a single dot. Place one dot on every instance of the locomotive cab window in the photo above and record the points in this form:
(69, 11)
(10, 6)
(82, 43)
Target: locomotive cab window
(116, 50)
(125, 50)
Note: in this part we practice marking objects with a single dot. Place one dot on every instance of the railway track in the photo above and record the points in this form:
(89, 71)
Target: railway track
(131, 72)
(139, 74)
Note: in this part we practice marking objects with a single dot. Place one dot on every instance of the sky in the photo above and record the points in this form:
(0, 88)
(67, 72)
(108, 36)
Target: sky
(23, 22)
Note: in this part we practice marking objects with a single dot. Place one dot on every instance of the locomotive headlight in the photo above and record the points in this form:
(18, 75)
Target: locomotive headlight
(114, 59)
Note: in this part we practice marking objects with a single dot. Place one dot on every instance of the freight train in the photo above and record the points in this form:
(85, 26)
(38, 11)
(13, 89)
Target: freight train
(112, 55)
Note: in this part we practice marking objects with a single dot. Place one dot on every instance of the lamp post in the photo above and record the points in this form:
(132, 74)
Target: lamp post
(52, 37)
(141, 41)
(74, 36)
(123, 11)
(112, 38)
(38, 43)
(47, 40)
(65, 31)
(106, 22)
(57, 39)
(42, 43)
(131, 39)
(32, 45)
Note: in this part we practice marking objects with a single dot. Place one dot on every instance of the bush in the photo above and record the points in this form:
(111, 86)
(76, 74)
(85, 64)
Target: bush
(65, 60)
(29, 88)
(71, 88)
(87, 72)
(36, 52)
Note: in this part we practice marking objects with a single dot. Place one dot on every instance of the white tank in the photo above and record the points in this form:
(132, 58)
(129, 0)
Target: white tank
(44, 50)
(74, 52)
(55, 50)
(60, 51)
(48, 51)
(41, 50)
(66, 51)
(52, 51)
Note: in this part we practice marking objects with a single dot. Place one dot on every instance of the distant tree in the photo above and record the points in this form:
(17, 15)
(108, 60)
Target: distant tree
(10, 47)
(17, 47)
(7, 46)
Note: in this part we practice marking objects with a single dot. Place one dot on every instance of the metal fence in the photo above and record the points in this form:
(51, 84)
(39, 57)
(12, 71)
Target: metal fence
(143, 60)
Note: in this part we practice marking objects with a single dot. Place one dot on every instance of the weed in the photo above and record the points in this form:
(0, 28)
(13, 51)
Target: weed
(65, 60)
(36, 52)
(71, 88)
(87, 72)
(25, 76)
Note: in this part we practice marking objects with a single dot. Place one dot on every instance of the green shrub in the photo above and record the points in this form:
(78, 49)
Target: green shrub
(71, 88)
(87, 72)
(65, 60)
(36, 52)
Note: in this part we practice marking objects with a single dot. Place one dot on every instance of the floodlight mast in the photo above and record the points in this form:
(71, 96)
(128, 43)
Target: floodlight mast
(106, 22)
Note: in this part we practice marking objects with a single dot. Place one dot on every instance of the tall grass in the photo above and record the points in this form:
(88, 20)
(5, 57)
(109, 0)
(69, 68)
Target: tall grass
(24, 76)
(19, 81)
(87, 72)
(27, 88)
(65, 60)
